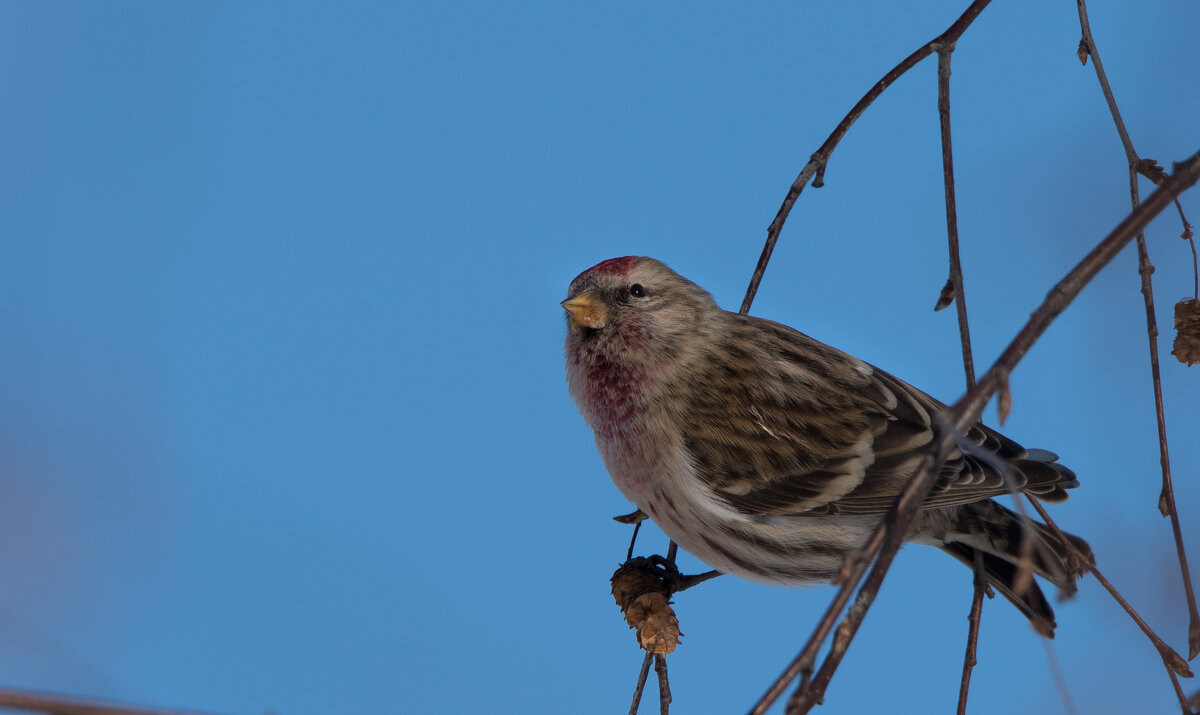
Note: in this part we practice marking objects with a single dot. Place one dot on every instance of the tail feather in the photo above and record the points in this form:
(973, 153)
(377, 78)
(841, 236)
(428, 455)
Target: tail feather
(1043, 476)
(1002, 576)
(997, 533)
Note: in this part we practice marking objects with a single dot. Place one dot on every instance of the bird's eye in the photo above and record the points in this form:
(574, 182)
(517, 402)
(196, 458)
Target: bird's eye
(637, 291)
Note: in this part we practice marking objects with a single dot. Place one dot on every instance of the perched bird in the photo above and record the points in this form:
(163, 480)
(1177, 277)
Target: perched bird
(771, 456)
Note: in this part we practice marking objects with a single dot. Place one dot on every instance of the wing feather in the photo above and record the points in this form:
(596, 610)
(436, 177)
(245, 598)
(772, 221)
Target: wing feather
(818, 431)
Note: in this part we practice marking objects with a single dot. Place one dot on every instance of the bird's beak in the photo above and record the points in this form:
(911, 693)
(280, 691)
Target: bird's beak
(586, 312)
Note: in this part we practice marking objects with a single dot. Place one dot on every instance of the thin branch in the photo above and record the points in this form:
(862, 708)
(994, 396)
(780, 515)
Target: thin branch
(1166, 500)
(815, 168)
(641, 683)
(955, 291)
(1195, 267)
(885, 540)
(664, 688)
(981, 588)
(61, 705)
(955, 280)
(1088, 44)
(1173, 660)
(632, 541)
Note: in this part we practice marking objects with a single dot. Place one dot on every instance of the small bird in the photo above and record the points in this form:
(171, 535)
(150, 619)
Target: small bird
(772, 456)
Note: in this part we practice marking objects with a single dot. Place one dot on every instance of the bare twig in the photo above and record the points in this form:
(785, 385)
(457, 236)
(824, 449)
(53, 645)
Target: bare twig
(956, 275)
(664, 688)
(1173, 660)
(641, 683)
(815, 168)
(1166, 501)
(632, 541)
(955, 291)
(61, 705)
(1195, 264)
(981, 588)
(1088, 45)
(886, 539)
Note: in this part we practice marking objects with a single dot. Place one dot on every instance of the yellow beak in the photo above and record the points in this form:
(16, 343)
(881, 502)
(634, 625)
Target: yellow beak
(586, 312)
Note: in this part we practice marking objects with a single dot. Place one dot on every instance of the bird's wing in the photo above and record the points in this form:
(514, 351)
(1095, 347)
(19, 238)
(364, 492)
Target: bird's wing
(983, 464)
(790, 425)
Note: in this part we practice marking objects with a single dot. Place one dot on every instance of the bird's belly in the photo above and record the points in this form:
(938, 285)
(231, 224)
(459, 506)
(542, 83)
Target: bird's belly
(775, 549)
(786, 551)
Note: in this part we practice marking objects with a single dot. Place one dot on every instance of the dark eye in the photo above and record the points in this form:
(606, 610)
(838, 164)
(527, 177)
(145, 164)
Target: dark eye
(637, 291)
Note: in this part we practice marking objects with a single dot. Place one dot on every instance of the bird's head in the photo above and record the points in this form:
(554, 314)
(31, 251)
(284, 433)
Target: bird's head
(636, 303)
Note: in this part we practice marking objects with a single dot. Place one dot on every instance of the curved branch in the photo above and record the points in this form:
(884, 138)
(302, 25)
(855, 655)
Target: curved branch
(816, 164)
(61, 705)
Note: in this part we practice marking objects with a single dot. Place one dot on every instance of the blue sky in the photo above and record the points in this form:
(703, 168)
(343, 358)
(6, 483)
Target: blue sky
(283, 424)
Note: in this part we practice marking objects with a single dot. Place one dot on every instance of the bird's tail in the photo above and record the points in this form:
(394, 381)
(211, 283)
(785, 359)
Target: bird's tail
(997, 533)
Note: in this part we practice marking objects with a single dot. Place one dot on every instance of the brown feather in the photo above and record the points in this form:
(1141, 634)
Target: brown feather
(842, 438)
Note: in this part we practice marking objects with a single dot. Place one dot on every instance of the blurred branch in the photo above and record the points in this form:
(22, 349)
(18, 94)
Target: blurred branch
(62, 705)
(1060, 683)
(1172, 661)
(884, 542)
(1166, 500)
